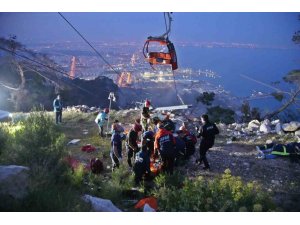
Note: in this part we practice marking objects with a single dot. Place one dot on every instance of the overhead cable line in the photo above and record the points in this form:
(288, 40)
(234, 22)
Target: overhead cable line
(97, 52)
(44, 65)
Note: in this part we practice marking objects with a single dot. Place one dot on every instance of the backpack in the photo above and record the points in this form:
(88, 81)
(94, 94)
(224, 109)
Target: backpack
(96, 165)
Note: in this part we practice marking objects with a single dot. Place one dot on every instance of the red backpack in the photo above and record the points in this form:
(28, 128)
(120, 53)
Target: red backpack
(96, 165)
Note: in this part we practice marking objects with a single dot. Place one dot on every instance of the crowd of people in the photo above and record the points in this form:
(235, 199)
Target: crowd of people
(152, 139)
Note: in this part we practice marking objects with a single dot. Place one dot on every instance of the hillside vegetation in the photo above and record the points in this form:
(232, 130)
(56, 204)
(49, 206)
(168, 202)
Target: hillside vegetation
(236, 183)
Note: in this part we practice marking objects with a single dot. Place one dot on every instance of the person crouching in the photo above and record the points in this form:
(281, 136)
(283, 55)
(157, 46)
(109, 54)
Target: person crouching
(141, 166)
(165, 145)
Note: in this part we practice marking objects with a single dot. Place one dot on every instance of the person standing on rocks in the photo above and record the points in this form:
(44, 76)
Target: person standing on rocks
(57, 105)
(207, 133)
(100, 120)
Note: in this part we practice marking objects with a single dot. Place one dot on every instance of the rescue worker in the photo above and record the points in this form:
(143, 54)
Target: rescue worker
(165, 145)
(132, 142)
(148, 136)
(168, 123)
(207, 132)
(119, 128)
(270, 151)
(190, 141)
(145, 116)
(116, 148)
(100, 120)
(141, 166)
(58, 107)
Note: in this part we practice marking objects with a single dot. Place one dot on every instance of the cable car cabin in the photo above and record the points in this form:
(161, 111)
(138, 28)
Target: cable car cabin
(161, 58)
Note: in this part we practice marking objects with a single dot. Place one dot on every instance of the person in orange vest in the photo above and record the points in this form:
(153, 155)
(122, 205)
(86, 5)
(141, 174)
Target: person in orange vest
(164, 144)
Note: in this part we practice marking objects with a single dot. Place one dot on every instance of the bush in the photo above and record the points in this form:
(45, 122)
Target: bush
(40, 144)
(206, 98)
(218, 114)
(225, 193)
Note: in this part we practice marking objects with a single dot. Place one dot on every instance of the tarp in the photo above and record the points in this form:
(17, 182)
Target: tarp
(151, 201)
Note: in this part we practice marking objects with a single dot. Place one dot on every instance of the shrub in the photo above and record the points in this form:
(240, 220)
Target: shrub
(206, 98)
(218, 114)
(225, 193)
(40, 144)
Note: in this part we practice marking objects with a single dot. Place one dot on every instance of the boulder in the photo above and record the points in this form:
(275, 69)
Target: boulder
(267, 122)
(275, 122)
(278, 129)
(291, 127)
(238, 127)
(14, 181)
(100, 205)
(264, 128)
(148, 208)
(254, 125)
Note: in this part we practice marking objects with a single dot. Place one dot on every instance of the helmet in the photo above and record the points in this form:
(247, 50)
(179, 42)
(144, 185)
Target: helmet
(147, 103)
(106, 110)
(137, 127)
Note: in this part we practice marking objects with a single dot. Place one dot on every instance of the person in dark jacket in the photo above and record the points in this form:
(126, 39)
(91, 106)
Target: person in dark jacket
(116, 148)
(165, 145)
(58, 107)
(141, 166)
(169, 124)
(145, 116)
(148, 136)
(207, 132)
(132, 142)
(190, 141)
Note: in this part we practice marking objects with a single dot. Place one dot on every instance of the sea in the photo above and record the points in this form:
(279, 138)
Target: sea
(262, 66)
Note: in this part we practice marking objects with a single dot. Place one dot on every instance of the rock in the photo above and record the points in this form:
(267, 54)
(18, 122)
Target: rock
(278, 129)
(269, 141)
(291, 127)
(297, 133)
(100, 205)
(253, 125)
(275, 122)
(265, 128)
(148, 208)
(14, 181)
(267, 122)
(4, 115)
(74, 141)
(238, 127)
(229, 142)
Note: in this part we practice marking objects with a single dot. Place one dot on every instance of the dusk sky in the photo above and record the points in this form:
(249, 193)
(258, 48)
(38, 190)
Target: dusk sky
(271, 29)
